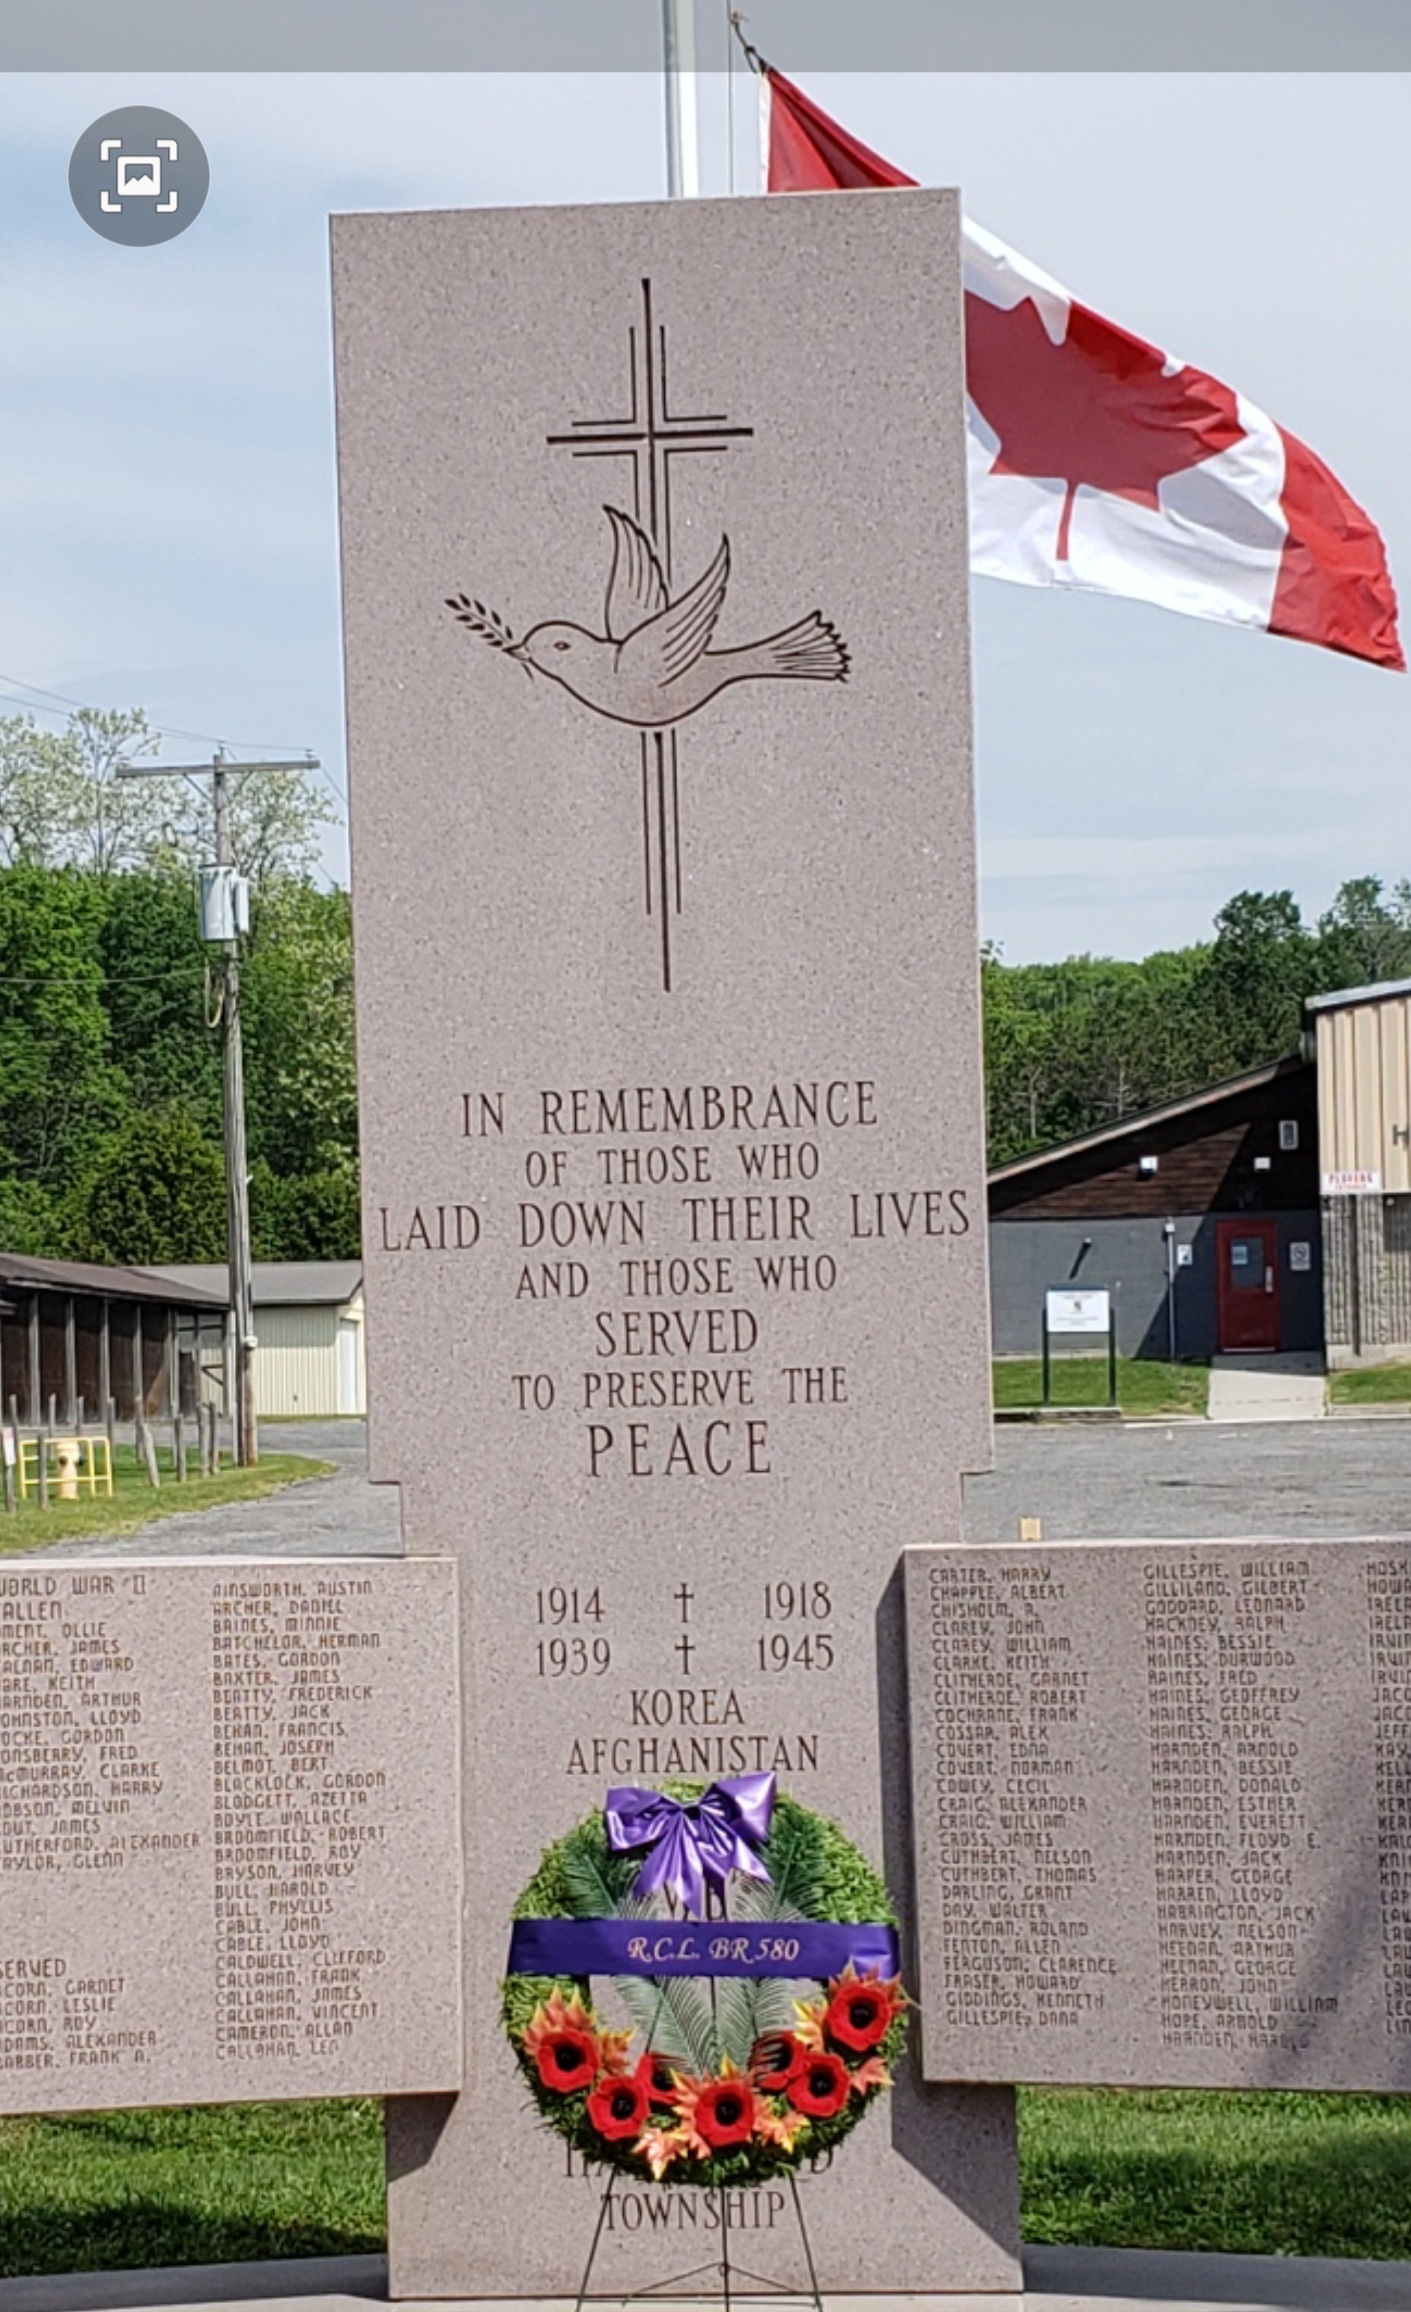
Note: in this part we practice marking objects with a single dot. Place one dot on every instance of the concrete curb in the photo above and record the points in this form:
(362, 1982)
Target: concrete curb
(1082, 1416)
(1058, 2279)
(1062, 1415)
(1368, 1413)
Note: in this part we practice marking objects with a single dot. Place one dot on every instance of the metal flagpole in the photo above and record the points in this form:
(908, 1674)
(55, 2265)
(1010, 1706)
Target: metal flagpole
(678, 46)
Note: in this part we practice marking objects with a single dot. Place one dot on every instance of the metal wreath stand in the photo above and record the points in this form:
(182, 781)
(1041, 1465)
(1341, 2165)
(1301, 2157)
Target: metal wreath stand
(770, 2291)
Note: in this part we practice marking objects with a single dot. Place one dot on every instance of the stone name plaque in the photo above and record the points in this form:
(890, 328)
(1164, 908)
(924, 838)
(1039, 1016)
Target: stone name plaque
(656, 600)
(229, 1866)
(1163, 1812)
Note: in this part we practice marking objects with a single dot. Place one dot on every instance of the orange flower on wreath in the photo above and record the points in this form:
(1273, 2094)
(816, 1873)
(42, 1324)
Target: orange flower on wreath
(781, 2127)
(718, 2114)
(809, 2028)
(660, 2146)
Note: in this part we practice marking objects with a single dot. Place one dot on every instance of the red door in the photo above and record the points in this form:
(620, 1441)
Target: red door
(1247, 1254)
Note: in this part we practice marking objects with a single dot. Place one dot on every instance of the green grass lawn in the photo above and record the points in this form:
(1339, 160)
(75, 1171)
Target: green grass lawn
(1273, 2174)
(1145, 1386)
(126, 2189)
(134, 1502)
(1371, 1385)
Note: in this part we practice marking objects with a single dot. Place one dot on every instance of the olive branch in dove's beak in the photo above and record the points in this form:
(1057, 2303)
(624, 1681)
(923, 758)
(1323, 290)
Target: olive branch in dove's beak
(491, 628)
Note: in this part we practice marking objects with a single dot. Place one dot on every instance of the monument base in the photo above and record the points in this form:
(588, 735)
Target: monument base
(1056, 2280)
(925, 2199)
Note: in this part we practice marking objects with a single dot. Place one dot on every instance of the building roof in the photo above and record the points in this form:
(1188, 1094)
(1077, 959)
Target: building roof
(1144, 1119)
(172, 1288)
(1340, 997)
(278, 1283)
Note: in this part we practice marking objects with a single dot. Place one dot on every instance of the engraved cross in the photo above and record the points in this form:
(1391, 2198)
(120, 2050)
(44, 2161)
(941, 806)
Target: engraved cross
(650, 436)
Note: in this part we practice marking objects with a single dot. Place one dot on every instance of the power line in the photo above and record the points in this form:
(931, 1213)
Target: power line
(87, 979)
(166, 730)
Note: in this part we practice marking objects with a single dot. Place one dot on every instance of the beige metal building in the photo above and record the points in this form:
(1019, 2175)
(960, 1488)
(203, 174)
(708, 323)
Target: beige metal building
(309, 1329)
(1361, 1039)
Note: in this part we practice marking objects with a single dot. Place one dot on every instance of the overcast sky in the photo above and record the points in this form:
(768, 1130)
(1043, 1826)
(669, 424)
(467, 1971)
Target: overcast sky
(167, 514)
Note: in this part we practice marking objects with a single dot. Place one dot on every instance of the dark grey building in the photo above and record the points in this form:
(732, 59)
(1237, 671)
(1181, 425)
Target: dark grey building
(1201, 1217)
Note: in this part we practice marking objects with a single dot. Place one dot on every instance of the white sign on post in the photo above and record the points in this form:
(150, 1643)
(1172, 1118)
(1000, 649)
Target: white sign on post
(1087, 1311)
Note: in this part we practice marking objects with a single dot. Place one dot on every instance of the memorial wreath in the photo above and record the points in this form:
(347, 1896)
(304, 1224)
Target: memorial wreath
(753, 1952)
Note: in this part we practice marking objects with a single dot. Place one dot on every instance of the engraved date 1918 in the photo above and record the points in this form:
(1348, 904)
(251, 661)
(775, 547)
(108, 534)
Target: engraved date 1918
(810, 1602)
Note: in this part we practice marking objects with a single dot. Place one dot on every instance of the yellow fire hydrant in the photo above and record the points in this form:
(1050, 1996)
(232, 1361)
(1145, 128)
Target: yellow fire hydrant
(66, 1455)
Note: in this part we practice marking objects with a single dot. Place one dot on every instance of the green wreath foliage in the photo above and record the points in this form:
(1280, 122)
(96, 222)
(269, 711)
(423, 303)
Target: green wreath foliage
(694, 2024)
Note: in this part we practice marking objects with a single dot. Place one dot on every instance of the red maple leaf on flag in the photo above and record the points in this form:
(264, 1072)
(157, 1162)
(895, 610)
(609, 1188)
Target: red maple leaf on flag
(1098, 409)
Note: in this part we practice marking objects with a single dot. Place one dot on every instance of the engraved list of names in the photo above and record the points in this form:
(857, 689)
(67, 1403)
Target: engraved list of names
(1161, 1817)
(227, 1848)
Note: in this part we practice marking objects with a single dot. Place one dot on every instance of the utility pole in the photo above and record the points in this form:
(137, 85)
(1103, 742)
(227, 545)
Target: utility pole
(222, 920)
(237, 1168)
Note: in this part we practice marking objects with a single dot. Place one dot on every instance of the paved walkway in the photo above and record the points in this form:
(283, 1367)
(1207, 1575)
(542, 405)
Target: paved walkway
(1057, 2280)
(1269, 1388)
(1196, 1480)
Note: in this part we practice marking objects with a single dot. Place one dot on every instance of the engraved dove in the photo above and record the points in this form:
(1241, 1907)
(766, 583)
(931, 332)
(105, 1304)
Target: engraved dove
(653, 664)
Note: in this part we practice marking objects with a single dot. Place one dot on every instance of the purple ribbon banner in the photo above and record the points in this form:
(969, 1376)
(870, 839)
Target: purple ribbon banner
(806, 1949)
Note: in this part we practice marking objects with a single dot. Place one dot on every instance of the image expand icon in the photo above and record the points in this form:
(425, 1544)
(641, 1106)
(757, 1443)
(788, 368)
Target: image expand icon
(650, 662)
(139, 176)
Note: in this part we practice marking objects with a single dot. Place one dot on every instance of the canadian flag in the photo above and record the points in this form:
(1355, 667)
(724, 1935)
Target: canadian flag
(1097, 461)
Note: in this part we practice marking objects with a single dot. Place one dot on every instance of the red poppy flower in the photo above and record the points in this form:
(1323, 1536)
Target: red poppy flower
(820, 2086)
(657, 2080)
(724, 2113)
(776, 2058)
(567, 2059)
(859, 2015)
(618, 2108)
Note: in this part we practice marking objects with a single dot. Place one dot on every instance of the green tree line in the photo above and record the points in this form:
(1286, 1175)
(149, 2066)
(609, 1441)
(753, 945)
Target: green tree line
(110, 1087)
(110, 1058)
(1075, 1045)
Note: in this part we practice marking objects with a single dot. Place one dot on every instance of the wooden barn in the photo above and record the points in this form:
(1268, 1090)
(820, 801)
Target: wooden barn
(80, 1334)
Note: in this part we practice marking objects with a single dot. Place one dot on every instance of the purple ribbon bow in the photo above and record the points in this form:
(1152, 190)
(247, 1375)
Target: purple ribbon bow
(693, 1842)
